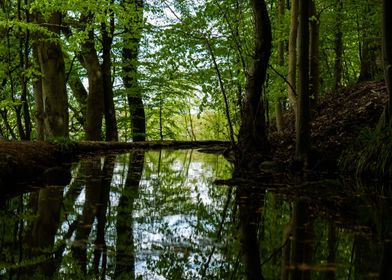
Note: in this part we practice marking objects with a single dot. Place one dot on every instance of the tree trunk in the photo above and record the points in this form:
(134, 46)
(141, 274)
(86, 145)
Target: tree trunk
(303, 113)
(253, 132)
(371, 45)
(314, 54)
(332, 247)
(130, 52)
(302, 240)
(279, 101)
(125, 247)
(95, 99)
(100, 247)
(24, 49)
(110, 113)
(281, 43)
(45, 225)
(54, 95)
(387, 55)
(279, 115)
(93, 172)
(39, 104)
(286, 252)
(249, 202)
(338, 46)
(292, 74)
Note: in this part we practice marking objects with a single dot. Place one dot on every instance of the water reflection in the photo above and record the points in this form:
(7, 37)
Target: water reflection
(159, 215)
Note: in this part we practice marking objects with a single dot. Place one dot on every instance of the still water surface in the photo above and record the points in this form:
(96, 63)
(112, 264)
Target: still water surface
(159, 215)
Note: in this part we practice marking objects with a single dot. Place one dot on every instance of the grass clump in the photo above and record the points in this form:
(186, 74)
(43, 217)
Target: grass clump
(369, 155)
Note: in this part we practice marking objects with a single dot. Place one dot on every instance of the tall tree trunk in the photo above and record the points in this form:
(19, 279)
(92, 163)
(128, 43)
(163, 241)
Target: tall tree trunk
(279, 100)
(292, 74)
(100, 248)
(54, 95)
(125, 247)
(281, 43)
(286, 252)
(303, 112)
(314, 54)
(253, 131)
(95, 99)
(92, 171)
(387, 55)
(130, 52)
(24, 64)
(332, 247)
(338, 69)
(110, 113)
(302, 240)
(39, 104)
(371, 45)
(249, 201)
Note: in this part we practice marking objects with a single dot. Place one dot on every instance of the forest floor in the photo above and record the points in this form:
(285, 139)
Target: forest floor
(336, 123)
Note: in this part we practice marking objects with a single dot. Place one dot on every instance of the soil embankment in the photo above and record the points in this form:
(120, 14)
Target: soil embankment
(336, 122)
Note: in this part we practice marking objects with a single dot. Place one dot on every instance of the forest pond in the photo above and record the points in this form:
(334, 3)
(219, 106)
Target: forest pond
(160, 215)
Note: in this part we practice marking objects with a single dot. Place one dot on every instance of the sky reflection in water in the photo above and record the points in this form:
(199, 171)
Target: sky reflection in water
(159, 215)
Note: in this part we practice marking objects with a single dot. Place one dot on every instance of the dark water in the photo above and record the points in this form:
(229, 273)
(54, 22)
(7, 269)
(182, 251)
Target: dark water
(159, 215)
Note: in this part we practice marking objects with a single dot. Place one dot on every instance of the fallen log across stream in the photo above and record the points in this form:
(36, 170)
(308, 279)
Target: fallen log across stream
(22, 162)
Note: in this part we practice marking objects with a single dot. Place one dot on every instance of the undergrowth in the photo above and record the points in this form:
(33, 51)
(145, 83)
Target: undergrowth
(65, 145)
(369, 155)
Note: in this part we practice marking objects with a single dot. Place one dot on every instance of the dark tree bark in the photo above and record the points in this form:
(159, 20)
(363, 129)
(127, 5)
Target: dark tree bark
(303, 113)
(302, 240)
(286, 252)
(110, 113)
(253, 132)
(280, 60)
(130, 52)
(332, 247)
(125, 248)
(281, 43)
(387, 54)
(24, 49)
(39, 105)
(314, 54)
(292, 74)
(100, 248)
(92, 171)
(338, 68)
(371, 45)
(249, 201)
(54, 95)
(44, 228)
(95, 99)
(368, 257)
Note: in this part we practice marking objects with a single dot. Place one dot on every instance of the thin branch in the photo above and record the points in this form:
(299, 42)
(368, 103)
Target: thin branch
(285, 80)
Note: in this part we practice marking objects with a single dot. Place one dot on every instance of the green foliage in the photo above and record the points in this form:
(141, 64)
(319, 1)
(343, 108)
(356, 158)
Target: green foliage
(64, 144)
(370, 154)
(177, 78)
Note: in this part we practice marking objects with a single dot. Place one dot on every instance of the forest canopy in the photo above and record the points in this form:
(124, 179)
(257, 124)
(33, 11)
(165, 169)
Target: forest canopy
(134, 70)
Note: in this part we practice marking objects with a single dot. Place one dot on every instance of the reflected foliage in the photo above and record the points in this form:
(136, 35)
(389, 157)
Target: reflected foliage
(159, 215)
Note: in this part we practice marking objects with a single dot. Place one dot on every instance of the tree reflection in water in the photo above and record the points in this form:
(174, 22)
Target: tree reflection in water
(159, 215)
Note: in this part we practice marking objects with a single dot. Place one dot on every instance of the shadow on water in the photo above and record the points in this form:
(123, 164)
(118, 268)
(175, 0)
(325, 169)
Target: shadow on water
(160, 215)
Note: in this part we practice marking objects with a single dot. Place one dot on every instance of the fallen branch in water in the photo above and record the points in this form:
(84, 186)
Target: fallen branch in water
(23, 161)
